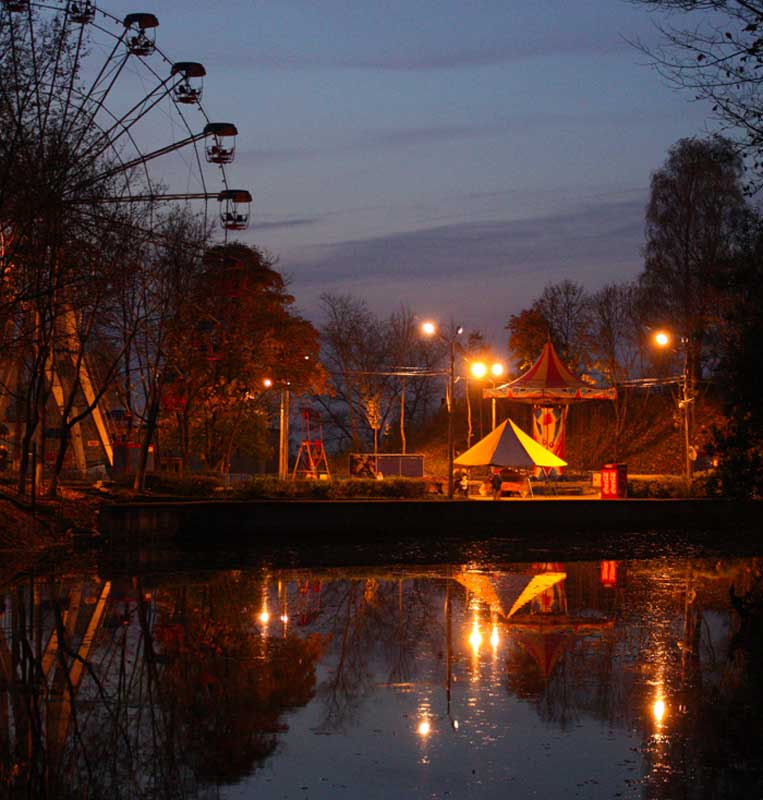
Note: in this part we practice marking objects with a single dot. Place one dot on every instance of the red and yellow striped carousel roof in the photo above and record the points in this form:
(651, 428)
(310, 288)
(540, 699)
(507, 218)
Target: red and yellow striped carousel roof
(548, 379)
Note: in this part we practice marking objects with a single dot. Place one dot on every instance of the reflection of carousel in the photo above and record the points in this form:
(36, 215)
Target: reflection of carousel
(533, 608)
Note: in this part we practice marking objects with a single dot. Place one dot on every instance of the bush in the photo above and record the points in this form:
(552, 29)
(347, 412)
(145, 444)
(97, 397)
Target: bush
(183, 485)
(342, 489)
(667, 486)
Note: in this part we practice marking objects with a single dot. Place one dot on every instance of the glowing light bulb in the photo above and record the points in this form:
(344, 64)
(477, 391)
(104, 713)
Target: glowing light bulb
(478, 369)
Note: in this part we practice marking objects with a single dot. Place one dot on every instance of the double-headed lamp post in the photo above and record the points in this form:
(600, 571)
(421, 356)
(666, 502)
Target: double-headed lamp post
(663, 339)
(430, 329)
(479, 370)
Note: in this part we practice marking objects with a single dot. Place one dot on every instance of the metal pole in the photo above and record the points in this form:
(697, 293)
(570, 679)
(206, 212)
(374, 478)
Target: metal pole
(402, 418)
(686, 403)
(283, 441)
(451, 399)
(493, 413)
(468, 415)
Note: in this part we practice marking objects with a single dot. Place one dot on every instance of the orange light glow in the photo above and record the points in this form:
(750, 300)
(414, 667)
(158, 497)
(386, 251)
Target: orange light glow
(478, 369)
(475, 638)
(494, 637)
(424, 728)
(264, 616)
(658, 710)
(267, 383)
(662, 339)
(496, 370)
(428, 328)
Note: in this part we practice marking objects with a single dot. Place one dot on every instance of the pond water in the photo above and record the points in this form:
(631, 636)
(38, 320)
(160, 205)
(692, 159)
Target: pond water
(479, 678)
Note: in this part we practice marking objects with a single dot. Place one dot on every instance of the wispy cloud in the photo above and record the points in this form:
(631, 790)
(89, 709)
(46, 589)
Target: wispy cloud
(488, 269)
(295, 222)
(433, 59)
(396, 138)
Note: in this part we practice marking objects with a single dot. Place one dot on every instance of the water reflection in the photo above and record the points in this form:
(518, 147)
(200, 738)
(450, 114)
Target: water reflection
(640, 678)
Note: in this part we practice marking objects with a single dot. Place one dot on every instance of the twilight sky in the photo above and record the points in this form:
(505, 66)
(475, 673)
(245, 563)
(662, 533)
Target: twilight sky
(455, 156)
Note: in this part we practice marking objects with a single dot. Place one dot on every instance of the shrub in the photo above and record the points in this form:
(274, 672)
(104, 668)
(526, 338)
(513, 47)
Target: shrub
(667, 486)
(183, 485)
(338, 489)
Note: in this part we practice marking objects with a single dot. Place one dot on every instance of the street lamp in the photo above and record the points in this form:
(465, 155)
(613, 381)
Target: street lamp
(663, 340)
(430, 329)
(283, 429)
(480, 370)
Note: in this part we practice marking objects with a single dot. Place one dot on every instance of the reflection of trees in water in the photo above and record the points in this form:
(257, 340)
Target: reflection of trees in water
(709, 745)
(116, 690)
(370, 620)
(673, 623)
(108, 690)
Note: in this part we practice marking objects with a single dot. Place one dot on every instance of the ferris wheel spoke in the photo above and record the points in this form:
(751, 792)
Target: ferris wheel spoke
(185, 123)
(82, 108)
(157, 197)
(15, 66)
(35, 74)
(73, 76)
(126, 121)
(143, 159)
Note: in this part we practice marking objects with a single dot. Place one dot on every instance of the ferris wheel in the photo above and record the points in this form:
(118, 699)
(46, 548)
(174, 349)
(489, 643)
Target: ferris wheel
(96, 117)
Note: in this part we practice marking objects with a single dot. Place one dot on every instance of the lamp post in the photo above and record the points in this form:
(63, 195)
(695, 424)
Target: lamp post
(430, 329)
(479, 370)
(663, 340)
(283, 429)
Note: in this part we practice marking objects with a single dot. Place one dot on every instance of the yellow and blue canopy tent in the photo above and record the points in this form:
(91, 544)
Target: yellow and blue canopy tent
(508, 446)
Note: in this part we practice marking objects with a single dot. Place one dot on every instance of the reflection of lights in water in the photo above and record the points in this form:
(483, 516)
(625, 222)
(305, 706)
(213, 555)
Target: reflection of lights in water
(475, 637)
(494, 638)
(284, 618)
(424, 728)
(265, 616)
(658, 710)
(455, 724)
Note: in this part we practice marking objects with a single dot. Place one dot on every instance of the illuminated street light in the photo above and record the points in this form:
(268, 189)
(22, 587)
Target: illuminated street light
(480, 370)
(430, 329)
(663, 339)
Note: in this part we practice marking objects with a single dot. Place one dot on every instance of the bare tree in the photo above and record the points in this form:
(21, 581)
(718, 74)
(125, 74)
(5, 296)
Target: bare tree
(565, 306)
(371, 362)
(715, 54)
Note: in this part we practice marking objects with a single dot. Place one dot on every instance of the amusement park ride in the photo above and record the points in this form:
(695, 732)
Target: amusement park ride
(122, 126)
(311, 460)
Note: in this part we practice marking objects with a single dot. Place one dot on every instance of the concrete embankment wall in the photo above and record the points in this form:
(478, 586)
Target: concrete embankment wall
(198, 522)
